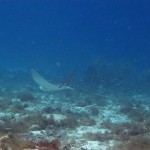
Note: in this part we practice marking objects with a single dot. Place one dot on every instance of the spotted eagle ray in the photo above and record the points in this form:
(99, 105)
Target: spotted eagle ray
(46, 85)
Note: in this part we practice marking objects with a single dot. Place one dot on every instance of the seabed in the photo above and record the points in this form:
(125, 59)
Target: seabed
(31, 119)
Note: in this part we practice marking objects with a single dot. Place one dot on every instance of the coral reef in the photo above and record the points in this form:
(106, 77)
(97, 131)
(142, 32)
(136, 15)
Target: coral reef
(26, 96)
(100, 119)
(10, 142)
(136, 143)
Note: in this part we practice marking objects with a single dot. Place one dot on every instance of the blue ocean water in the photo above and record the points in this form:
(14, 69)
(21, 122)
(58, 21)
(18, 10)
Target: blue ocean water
(62, 35)
(75, 74)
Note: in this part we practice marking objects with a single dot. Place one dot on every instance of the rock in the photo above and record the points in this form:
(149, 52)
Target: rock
(56, 117)
(34, 127)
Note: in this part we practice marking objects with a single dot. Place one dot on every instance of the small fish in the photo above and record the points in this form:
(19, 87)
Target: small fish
(46, 85)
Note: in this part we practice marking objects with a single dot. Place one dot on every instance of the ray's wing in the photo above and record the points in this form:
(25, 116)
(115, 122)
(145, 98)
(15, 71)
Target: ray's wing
(47, 86)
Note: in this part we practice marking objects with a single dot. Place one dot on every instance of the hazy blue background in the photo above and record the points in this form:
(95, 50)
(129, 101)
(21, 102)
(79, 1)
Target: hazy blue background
(60, 35)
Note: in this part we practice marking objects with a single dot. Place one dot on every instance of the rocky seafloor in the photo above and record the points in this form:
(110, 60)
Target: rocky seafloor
(71, 120)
